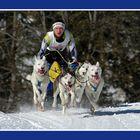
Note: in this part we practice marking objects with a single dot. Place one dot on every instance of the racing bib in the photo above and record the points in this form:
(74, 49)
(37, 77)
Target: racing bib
(54, 71)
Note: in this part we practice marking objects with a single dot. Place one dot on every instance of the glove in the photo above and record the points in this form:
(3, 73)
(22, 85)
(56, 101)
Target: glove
(73, 66)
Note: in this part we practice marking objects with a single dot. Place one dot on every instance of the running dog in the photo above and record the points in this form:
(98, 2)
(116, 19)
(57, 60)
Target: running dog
(81, 80)
(39, 80)
(66, 88)
(94, 84)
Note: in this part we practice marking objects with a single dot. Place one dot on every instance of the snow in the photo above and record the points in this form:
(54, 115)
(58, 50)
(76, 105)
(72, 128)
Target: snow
(123, 117)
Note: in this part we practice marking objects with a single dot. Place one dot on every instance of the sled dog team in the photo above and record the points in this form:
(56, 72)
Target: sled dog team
(87, 80)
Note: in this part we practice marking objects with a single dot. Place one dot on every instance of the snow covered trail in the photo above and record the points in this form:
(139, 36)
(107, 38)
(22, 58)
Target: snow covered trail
(123, 117)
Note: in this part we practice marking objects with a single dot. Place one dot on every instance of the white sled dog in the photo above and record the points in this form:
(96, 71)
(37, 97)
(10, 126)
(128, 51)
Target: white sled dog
(66, 88)
(94, 85)
(39, 80)
(81, 80)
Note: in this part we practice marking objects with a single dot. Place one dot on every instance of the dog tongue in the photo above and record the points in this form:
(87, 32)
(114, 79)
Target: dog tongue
(41, 71)
(96, 79)
(70, 86)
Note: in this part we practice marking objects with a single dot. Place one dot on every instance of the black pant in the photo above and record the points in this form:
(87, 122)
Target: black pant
(55, 56)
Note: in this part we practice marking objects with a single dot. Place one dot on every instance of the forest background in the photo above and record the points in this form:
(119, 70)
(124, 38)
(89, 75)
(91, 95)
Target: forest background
(110, 37)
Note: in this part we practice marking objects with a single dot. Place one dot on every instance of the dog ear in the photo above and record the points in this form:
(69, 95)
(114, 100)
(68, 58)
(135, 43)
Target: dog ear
(97, 64)
(89, 64)
(44, 58)
(35, 58)
(80, 64)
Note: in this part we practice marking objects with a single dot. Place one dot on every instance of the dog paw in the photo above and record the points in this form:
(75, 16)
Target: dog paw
(42, 109)
(92, 109)
(78, 100)
(54, 105)
(63, 110)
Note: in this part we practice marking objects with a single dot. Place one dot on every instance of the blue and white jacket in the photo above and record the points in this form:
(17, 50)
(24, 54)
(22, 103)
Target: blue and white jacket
(50, 43)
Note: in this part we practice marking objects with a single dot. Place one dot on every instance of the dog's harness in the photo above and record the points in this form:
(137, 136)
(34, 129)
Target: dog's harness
(39, 86)
(95, 83)
(80, 80)
(67, 87)
(81, 84)
(39, 82)
(77, 78)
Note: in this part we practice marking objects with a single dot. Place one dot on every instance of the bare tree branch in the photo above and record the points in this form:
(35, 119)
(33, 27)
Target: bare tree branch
(14, 38)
